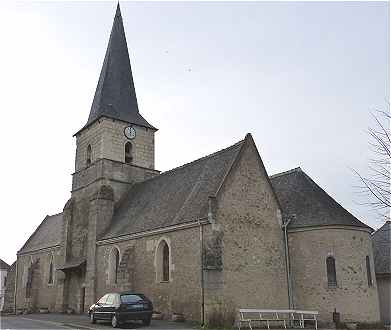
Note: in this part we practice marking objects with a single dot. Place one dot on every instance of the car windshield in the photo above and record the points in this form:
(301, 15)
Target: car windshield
(131, 298)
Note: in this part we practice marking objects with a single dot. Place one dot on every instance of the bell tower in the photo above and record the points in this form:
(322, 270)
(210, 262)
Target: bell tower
(116, 144)
(115, 129)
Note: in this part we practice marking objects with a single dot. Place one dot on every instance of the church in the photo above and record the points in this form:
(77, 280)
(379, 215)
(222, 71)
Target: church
(202, 239)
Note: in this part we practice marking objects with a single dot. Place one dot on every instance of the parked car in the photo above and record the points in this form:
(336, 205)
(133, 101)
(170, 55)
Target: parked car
(122, 307)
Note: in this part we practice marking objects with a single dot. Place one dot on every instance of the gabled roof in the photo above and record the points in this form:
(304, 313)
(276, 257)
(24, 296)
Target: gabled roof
(47, 234)
(174, 197)
(4, 265)
(308, 203)
(115, 95)
(382, 249)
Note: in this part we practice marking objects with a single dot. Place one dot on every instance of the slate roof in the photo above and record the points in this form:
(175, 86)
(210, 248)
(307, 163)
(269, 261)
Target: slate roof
(47, 234)
(300, 196)
(382, 249)
(4, 265)
(115, 95)
(173, 197)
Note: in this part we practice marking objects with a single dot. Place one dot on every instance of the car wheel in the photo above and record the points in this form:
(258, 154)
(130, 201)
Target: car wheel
(114, 322)
(147, 321)
(92, 318)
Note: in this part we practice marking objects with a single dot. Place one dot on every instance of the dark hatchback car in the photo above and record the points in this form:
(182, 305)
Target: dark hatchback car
(122, 307)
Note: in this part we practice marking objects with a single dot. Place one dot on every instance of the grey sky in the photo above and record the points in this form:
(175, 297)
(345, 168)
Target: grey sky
(302, 77)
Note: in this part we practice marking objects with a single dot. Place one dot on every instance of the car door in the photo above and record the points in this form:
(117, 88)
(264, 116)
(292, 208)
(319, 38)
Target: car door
(99, 307)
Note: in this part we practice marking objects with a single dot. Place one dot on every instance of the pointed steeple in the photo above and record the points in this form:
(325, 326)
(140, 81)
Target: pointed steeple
(115, 95)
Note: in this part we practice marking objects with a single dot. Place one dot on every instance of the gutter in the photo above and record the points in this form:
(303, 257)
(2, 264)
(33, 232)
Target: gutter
(287, 262)
(202, 274)
(16, 283)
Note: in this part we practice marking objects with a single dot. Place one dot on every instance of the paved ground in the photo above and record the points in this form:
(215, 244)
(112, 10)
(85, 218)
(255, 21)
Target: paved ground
(63, 321)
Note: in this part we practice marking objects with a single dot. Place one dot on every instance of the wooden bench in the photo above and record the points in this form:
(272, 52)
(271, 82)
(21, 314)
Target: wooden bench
(253, 316)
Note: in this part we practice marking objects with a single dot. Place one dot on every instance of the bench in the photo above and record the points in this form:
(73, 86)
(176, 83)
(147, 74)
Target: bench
(252, 316)
(307, 316)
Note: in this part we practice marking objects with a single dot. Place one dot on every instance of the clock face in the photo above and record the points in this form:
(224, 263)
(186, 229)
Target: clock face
(130, 132)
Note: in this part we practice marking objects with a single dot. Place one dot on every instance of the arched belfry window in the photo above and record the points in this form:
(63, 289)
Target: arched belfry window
(113, 265)
(128, 153)
(331, 272)
(51, 271)
(369, 273)
(89, 155)
(163, 262)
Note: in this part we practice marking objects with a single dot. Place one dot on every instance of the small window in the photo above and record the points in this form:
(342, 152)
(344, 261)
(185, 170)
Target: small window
(116, 265)
(163, 262)
(331, 272)
(89, 154)
(51, 272)
(369, 274)
(166, 263)
(128, 153)
(5, 281)
(113, 265)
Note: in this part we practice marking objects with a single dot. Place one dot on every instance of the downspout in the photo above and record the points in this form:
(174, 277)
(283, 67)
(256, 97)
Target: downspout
(287, 262)
(202, 273)
(16, 282)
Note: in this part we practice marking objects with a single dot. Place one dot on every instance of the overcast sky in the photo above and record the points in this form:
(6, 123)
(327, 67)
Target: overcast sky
(302, 77)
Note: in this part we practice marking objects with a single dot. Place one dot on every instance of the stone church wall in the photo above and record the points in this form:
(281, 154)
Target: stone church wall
(384, 291)
(42, 294)
(139, 273)
(253, 273)
(352, 298)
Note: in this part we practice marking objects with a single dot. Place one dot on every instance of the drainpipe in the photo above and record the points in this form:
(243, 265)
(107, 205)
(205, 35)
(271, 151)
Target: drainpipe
(202, 273)
(287, 262)
(16, 283)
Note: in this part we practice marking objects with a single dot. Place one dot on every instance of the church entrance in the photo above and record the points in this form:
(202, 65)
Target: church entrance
(74, 284)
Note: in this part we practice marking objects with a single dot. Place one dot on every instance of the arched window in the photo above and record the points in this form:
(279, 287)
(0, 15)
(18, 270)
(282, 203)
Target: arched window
(162, 262)
(331, 272)
(166, 262)
(128, 153)
(51, 271)
(113, 265)
(369, 274)
(89, 154)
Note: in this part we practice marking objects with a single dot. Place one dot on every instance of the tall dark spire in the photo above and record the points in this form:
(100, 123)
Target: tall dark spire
(115, 95)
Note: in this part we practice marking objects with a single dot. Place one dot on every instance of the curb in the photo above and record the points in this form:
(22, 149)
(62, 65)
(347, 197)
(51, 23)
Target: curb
(61, 324)
(77, 326)
(47, 322)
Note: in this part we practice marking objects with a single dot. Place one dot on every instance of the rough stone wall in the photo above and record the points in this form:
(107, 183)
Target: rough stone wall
(352, 297)
(43, 294)
(119, 175)
(107, 139)
(138, 269)
(9, 299)
(3, 276)
(384, 291)
(253, 273)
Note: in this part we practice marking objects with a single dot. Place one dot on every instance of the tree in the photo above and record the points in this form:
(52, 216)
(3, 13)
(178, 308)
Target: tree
(377, 184)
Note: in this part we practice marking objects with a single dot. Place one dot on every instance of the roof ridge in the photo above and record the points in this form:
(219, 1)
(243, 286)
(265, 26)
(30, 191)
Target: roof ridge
(293, 170)
(192, 162)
